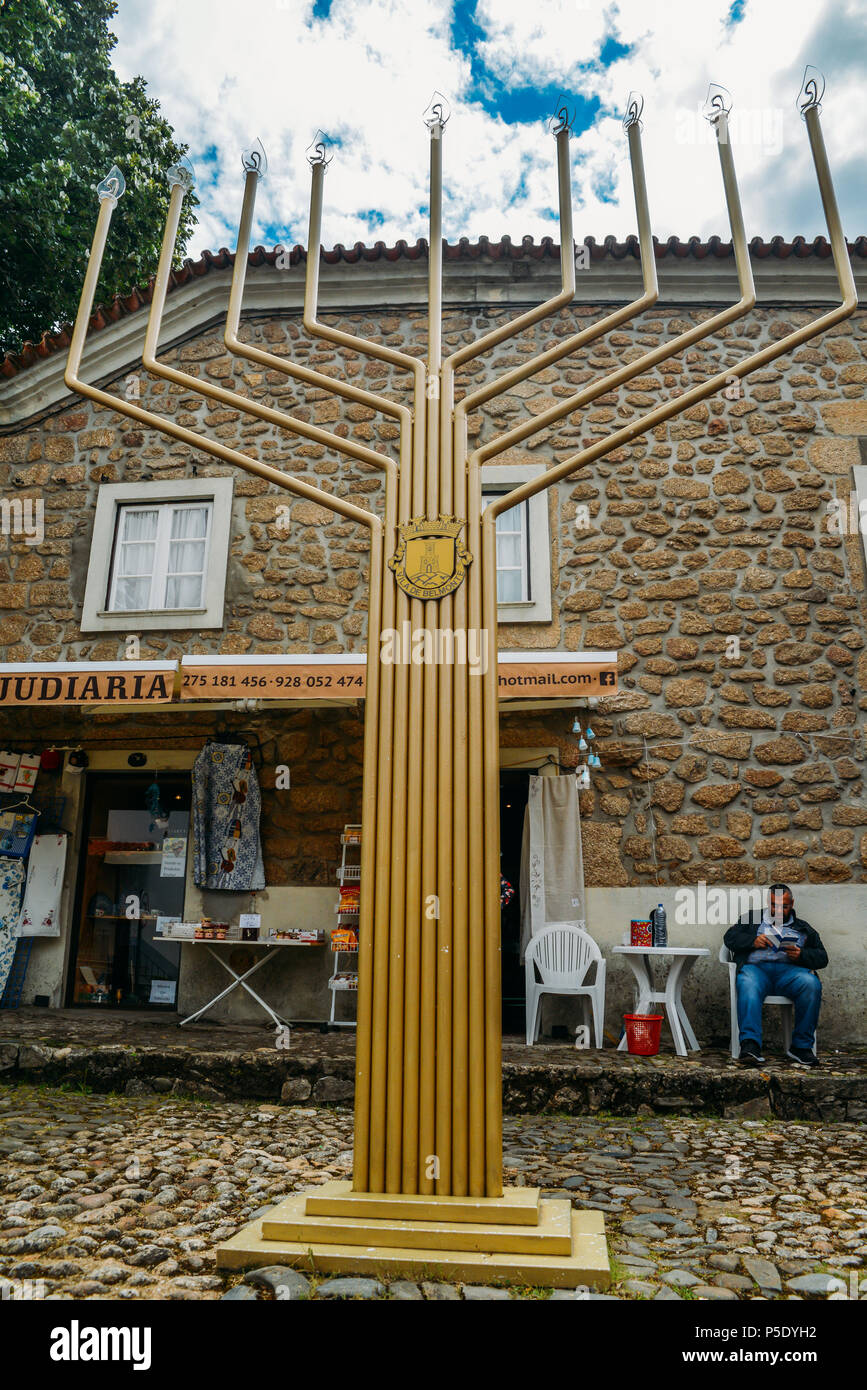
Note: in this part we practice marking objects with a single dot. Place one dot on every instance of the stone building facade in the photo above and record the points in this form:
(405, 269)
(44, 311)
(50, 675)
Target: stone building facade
(719, 556)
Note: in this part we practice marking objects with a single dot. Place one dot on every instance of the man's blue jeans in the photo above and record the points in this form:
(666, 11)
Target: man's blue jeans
(778, 977)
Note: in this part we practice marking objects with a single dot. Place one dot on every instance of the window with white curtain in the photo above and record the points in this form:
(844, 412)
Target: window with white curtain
(856, 505)
(523, 546)
(513, 553)
(160, 556)
(160, 552)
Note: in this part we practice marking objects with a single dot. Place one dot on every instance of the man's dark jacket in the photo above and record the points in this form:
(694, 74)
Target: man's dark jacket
(740, 938)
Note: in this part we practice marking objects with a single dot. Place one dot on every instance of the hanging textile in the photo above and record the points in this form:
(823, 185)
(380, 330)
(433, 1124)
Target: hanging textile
(552, 866)
(226, 806)
(40, 914)
(11, 884)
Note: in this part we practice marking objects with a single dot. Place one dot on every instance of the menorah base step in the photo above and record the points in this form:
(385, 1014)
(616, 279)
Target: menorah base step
(423, 1238)
(519, 1206)
(551, 1236)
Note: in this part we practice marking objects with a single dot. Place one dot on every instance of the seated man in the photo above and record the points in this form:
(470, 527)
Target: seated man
(776, 953)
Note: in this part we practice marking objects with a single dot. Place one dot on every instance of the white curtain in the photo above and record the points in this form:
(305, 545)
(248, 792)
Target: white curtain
(511, 555)
(135, 562)
(187, 557)
(552, 865)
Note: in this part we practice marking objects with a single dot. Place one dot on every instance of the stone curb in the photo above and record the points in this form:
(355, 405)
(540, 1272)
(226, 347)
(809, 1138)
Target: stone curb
(572, 1088)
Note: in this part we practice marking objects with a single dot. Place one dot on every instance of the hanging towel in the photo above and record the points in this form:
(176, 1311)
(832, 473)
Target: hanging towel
(9, 765)
(552, 865)
(226, 807)
(40, 914)
(11, 884)
(28, 769)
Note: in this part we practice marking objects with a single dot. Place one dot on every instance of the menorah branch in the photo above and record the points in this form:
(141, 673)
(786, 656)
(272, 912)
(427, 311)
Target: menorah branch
(74, 381)
(847, 306)
(659, 354)
(287, 367)
(567, 271)
(575, 341)
(311, 295)
(246, 404)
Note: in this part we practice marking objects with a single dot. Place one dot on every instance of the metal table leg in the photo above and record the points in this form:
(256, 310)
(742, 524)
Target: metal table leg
(236, 981)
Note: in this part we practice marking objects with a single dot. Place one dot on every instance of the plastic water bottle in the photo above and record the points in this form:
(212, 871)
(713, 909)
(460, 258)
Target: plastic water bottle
(660, 928)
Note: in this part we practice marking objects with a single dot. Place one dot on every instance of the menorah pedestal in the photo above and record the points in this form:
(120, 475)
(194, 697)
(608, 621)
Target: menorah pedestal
(520, 1237)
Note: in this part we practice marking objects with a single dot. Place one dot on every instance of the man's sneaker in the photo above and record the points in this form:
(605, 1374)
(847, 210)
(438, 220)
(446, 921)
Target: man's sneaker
(804, 1056)
(751, 1054)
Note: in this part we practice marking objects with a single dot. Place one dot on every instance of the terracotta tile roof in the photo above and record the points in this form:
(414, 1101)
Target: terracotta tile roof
(546, 249)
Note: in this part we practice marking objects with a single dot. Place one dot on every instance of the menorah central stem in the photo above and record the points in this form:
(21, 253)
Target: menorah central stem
(428, 1037)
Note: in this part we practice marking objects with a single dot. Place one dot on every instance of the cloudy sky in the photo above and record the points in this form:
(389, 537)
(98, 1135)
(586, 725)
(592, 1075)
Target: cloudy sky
(363, 71)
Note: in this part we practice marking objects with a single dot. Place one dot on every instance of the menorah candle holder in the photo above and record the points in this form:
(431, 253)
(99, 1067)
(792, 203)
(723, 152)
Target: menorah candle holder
(427, 1188)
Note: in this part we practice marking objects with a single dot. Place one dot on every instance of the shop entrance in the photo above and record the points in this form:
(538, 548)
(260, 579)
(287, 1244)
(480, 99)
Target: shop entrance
(132, 874)
(514, 790)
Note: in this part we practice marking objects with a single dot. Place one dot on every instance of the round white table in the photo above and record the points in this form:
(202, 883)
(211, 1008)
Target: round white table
(680, 961)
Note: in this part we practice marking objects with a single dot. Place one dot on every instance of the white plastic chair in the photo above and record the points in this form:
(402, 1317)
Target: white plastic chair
(787, 1020)
(563, 953)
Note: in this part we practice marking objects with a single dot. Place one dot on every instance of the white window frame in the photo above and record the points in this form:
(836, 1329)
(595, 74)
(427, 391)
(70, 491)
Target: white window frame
(501, 479)
(859, 483)
(96, 616)
(516, 523)
(162, 541)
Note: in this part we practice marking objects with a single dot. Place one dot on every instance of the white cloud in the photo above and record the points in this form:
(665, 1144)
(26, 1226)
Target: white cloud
(224, 75)
(540, 43)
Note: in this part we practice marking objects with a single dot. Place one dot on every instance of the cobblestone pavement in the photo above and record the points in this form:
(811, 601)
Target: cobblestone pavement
(89, 1028)
(121, 1197)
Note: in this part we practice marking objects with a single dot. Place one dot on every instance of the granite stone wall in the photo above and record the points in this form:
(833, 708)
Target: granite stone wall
(702, 553)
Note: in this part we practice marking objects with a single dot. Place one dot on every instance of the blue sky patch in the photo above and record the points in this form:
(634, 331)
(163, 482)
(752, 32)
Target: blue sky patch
(518, 105)
(466, 33)
(604, 188)
(612, 49)
(521, 190)
(272, 235)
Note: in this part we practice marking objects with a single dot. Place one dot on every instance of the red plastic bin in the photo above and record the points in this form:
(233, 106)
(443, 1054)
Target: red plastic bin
(642, 1034)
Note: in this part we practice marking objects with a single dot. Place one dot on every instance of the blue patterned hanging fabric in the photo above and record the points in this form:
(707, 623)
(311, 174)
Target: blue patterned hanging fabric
(226, 807)
(12, 875)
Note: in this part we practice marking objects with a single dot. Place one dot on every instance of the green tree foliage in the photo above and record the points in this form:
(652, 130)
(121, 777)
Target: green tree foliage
(65, 118)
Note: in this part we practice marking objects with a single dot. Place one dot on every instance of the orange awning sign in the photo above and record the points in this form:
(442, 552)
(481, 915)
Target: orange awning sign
(522, 675)
(300, 677)
(556, 675)
(87, 682)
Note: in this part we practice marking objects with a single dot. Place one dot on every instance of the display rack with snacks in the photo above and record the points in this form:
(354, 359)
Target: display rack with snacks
(344, 937)
(208, 930)
(298, 936)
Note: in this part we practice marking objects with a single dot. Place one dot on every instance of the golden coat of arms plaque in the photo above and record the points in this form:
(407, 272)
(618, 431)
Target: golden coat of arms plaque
(431, 559)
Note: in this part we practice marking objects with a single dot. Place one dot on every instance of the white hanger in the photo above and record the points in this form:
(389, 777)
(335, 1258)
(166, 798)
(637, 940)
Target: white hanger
(24, 802)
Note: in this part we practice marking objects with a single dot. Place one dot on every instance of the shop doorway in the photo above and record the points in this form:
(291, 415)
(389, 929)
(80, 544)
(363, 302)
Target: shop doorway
(514, 790)
(132, 875)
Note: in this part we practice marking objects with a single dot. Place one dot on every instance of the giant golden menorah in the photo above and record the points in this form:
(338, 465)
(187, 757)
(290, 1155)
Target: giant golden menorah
(428, 1127)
